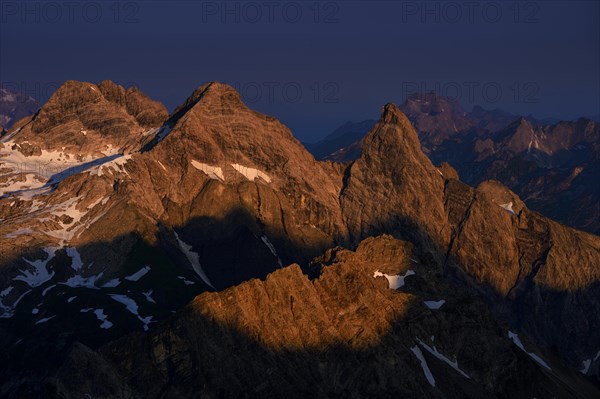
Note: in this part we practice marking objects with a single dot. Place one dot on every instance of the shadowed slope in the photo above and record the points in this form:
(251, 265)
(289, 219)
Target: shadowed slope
(345, 334)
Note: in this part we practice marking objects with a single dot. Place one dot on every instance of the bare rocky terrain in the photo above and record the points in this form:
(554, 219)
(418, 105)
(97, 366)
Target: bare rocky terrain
(207, 253)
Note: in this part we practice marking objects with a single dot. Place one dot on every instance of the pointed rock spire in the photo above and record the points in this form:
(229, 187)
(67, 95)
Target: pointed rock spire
(395, 174)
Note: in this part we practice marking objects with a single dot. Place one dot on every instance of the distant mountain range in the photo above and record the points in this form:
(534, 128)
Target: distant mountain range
(15, 106)
(552, 165)
(207, 253)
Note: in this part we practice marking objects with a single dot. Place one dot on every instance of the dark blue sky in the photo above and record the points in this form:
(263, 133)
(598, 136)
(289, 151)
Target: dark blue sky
(315, 65)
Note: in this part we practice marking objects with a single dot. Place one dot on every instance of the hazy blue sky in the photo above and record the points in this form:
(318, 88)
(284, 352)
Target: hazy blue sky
(315, 65)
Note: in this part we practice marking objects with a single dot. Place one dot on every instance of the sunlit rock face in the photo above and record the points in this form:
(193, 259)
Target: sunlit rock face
(343, 333)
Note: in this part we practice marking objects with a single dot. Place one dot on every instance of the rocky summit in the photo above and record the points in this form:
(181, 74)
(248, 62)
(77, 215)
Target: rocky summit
(208, 254)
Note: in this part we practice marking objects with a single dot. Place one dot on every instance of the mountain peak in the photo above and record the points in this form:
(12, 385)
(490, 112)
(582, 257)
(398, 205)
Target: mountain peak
(392, 114)
(84, 118)
(392, 160)
(431, 102)
(398, 130)
(74, 98)
(214, 90)
(424, 96)
(432, 114)
(521, 126)
(213, 94)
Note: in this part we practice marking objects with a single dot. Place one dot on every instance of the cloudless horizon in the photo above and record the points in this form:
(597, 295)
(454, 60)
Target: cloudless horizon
(315, 65)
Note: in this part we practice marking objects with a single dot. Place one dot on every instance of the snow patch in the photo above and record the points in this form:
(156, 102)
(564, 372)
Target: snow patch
(438, 355)
(585, 366)
(138, 275)
(105, 324)
(19, 232)
(41, 171)
(101, 200)
(185, 280)
(45, 319)
(515, 338)
(112, 283)
(148, 296)
(67, 231)
(251, 173)
(434, 304)
(31, 186)
(417, 351)
(214, 172)
(48, 289)
(116, 165)
(8, 311)
(129, 303)
(86, 282)
(194, 259)
(271, 247)
(508, 207)
(76, 262)
(40, 273)
(395, 281)
(132, 307)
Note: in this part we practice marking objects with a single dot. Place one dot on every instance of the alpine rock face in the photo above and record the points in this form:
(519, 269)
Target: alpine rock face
(207, 253)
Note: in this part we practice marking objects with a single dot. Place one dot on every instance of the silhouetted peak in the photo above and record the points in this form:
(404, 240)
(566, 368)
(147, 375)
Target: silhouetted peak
(425, 96)
(431, 104)
(521, 123)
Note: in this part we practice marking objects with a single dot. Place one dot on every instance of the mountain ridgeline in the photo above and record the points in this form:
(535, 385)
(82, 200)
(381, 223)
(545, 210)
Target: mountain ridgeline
(552, 165)
(207, 253)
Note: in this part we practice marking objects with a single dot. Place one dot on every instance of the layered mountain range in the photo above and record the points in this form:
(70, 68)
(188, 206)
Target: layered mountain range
(207, 253)
(15, 106)
(552, 165)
